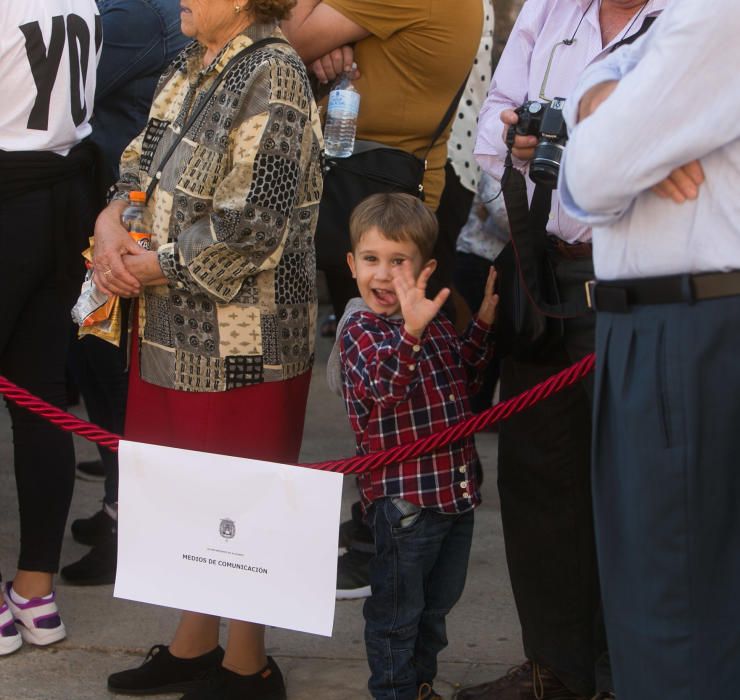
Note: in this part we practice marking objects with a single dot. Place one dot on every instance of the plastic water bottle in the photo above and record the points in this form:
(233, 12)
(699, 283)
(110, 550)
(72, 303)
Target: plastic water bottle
(137, 220)
(341, 117)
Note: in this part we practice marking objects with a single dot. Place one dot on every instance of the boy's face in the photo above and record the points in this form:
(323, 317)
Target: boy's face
(372, 263)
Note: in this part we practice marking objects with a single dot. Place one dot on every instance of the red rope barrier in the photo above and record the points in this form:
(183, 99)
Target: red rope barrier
(354, 465)
(62, 419)
(501, 411)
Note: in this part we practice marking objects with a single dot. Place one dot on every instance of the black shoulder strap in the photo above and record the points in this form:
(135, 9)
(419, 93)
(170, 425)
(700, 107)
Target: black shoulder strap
(447, 118)
(646, 24)
(203, 102)
(528, 239)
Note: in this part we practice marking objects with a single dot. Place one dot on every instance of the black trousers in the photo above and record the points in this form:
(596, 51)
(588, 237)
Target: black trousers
(545, 490)
(37, 291)
(100, 369)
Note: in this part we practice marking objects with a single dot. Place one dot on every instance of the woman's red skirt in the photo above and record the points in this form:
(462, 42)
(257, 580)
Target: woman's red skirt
(260, 421)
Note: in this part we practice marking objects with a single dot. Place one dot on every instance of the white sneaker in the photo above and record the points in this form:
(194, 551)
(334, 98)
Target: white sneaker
(10, 640)
(37, 620)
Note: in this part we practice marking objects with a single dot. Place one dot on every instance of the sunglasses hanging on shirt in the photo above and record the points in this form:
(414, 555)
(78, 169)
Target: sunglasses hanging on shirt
(572, 40)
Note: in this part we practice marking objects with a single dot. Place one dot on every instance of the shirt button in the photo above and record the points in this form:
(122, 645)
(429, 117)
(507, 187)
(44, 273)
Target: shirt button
(412, 366)
(452, 397)
(416, 348)
(466, 494)
(463, 484)
(462, 470)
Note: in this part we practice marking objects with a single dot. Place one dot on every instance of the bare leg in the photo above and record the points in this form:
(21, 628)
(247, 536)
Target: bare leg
(197, 634)
(32, 584)
(245, 651)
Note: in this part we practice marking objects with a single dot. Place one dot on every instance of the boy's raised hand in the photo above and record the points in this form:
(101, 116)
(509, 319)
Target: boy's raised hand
(416, 309)
(487, 310)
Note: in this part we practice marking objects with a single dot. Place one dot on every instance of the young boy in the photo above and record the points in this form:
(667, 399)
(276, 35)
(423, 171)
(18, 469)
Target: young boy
(406, 374)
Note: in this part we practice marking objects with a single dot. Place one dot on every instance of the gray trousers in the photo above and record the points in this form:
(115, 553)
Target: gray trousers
(666, 484)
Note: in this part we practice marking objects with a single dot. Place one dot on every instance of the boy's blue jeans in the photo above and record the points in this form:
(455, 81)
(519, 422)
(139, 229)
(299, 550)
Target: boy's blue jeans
(417, 575)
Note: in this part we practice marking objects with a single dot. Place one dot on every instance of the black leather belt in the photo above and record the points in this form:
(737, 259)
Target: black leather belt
(620, 295)
(571, 251)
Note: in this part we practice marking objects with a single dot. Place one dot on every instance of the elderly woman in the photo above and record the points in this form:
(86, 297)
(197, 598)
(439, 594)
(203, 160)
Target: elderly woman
(226, 301)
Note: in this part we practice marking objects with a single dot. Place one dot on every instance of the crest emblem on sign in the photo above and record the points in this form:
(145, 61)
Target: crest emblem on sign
(227, 528)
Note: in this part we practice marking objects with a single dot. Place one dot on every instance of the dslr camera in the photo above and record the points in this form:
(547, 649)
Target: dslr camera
(545, 121)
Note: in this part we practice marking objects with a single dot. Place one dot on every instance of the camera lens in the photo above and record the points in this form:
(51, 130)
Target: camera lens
(546, 163)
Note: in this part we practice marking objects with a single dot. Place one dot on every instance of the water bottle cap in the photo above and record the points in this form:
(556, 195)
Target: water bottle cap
(136, 196)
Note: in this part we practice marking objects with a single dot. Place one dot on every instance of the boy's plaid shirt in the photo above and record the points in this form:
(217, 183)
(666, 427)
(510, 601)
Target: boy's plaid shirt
(398, 389)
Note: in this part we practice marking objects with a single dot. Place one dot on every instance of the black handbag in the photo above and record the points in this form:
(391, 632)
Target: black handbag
(372, 168)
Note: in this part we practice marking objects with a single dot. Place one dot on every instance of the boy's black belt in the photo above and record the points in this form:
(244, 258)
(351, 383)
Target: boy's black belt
(620, 296)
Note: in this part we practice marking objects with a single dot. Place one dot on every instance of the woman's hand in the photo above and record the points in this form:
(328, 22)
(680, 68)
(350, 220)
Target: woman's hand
(523, 145)
(487, 311)
(417, 311)
(145, 268)
(333, 64)
(112, 242)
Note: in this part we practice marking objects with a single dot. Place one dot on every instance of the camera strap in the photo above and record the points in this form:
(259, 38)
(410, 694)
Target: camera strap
(529, 224)
(529, 241)
(646, 24)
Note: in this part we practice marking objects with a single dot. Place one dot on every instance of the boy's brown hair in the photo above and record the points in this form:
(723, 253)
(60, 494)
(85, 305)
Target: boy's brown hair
(399, 217)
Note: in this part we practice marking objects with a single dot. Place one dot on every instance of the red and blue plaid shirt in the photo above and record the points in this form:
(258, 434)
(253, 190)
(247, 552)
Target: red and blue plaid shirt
(398, 389)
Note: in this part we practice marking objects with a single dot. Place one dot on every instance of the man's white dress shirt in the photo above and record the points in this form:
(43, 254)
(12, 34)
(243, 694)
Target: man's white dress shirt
(678, 100)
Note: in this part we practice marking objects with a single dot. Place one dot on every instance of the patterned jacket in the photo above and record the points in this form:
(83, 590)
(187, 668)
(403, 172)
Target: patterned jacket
(234, 217)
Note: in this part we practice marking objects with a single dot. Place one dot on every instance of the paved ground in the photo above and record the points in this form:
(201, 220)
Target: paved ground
(107, 635)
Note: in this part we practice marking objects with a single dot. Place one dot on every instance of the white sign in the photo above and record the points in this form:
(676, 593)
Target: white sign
(226, 536)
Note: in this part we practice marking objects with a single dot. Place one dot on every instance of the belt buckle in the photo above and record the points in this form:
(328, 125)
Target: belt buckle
(590, 287)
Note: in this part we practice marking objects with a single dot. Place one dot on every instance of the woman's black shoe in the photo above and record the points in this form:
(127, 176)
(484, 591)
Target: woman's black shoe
(267, 684)
(96, 568)
(97, 529)
(163, 673)
(92, 470)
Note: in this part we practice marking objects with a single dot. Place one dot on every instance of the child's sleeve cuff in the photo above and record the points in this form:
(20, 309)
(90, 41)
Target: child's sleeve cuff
(409, 350)
(480, 330)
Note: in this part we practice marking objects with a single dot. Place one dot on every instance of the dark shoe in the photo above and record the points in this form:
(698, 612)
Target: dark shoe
(353, 575)
(226, 685)
(96, 568)
(355, 531)
(528, 681)
(163, 673)
(91, 471)
(98, 529)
